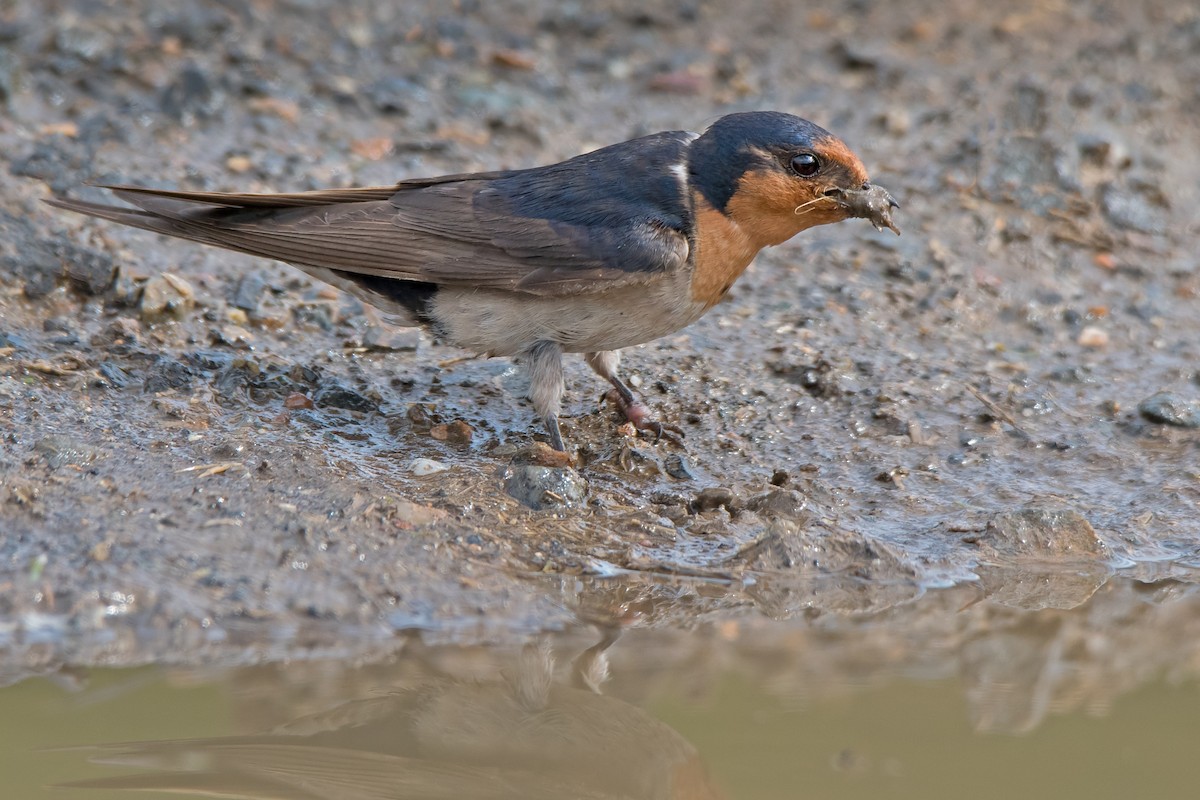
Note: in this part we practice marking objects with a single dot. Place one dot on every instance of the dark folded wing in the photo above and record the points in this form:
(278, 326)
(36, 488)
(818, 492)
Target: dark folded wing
(460, 230)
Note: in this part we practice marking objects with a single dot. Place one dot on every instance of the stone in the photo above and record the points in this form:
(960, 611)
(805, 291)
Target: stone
(1039, 533)
(391, 339)
(712, 498)
(408, 515)
(191, 94)
(167, 294)
(545, 487)
(167, 373)
(113, 376)
(91, 271)
(456, 432)
(249, 291)
(297, 400)
(337, 396)
(1168, 408)
(61, 451)
(677, 467)
(787, 503)
(422, 467)
(1132, 211)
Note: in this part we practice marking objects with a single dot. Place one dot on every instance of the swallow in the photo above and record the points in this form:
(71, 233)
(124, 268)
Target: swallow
(600, 252)
(517, 735)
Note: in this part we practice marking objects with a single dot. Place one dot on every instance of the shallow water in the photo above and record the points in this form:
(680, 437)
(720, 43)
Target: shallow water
(943, 697)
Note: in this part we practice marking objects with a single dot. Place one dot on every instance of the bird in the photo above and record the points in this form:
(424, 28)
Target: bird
(610, 249)
(517, 735)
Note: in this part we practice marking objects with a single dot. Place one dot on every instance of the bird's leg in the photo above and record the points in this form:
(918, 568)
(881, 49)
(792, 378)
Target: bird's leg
(534, 677)
(604, 364)
(590, 669)
(546, 386)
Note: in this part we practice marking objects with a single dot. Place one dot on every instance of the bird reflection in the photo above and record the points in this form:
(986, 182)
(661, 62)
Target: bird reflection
(520, 735)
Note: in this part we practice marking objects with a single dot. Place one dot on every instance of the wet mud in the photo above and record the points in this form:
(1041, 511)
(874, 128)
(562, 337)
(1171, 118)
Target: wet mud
(204, 455)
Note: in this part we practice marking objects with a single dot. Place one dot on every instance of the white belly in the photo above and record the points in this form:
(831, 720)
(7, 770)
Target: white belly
(506, 323)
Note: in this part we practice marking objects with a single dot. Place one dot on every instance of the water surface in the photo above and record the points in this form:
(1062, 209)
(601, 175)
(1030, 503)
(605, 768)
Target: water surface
(941, 697)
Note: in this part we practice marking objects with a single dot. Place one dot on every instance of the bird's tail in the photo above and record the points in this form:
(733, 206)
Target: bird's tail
(213, 218)
(263, 224)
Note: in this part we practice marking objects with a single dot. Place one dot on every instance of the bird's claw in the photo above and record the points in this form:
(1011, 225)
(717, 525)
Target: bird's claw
(661, 430)
(639, 417)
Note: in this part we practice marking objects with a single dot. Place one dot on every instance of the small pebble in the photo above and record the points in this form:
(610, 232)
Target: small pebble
(426, 466)
(249, 292)
(121, 331)
(545, 487)
(167, 293)
(418, 417)
(542, 455)
(238, 164)
(189, 94)
(678, 82)
(372, 149)
(61, 451)
(677, 467)
(410, 515)
(1171, 409)
(1036, 532)
(297, 400)
(391, 339)
(334, 395)
(712, 498)
(457, 432)
(1132, 211)
(232, 336)
(513, 59)
(167, 373)
(101, 551)
(785, 503)
(92, 271)
(1094, 337)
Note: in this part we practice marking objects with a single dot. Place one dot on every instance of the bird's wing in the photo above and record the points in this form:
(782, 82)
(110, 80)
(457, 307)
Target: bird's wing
(470, 231)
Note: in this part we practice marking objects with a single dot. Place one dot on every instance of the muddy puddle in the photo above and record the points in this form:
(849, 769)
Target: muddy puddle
(933, 526)
(943, 697)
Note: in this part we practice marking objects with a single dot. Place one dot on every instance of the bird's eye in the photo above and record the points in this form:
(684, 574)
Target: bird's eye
(806, 165)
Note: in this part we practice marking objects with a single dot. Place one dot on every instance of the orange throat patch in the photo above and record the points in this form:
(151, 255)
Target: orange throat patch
(723, 251)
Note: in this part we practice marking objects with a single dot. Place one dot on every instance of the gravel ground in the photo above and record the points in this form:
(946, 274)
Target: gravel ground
(201, 451)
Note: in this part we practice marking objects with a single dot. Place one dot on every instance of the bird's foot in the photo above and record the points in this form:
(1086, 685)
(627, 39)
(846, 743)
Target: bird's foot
(639, 417)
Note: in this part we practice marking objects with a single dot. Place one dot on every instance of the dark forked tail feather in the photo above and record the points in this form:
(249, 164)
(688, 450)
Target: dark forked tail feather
(219, 218)
(258, 224)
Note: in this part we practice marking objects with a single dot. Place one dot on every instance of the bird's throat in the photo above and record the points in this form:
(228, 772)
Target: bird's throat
(723, 251)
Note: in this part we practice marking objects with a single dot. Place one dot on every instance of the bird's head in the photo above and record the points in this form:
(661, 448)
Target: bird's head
(774, 175)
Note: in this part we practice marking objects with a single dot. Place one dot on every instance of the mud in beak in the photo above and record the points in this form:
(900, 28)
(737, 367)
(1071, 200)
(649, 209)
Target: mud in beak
(871, 202)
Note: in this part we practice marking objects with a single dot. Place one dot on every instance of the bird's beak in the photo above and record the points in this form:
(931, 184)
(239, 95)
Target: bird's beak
(870, 202)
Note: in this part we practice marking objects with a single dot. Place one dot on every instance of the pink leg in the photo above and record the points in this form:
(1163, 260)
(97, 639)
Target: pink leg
(605, 364)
